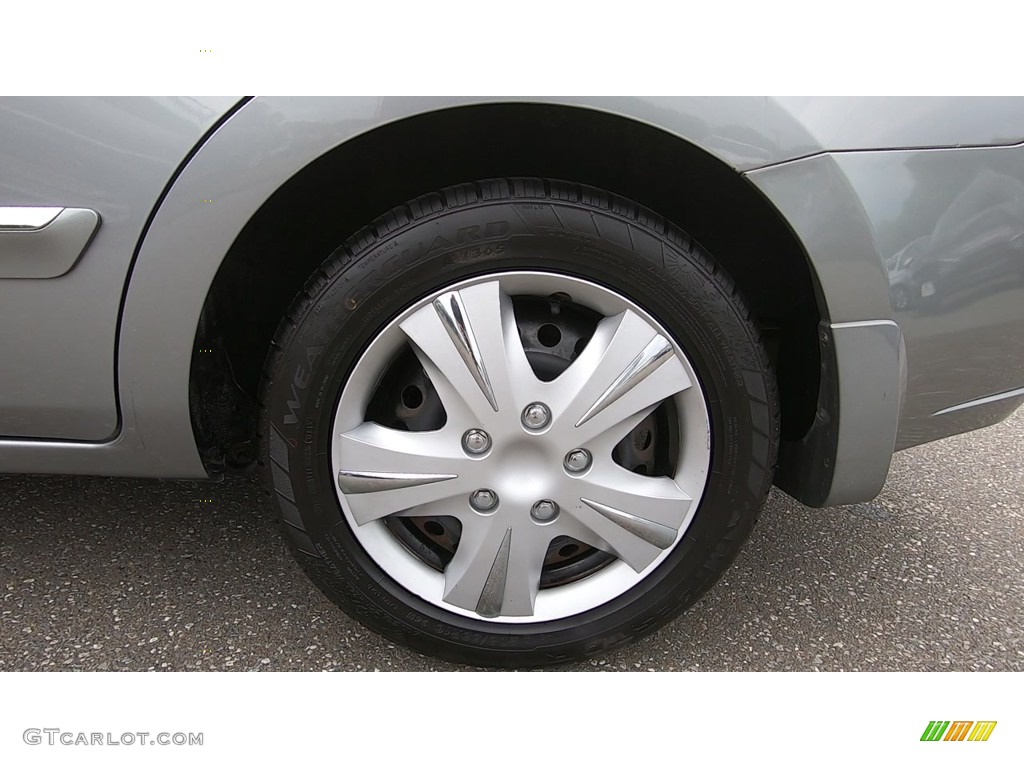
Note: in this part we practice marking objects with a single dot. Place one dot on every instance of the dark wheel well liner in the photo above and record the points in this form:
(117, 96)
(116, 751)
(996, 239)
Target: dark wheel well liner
(300, 225)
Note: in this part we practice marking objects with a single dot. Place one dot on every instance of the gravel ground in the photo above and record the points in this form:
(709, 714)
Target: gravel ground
(115, 574)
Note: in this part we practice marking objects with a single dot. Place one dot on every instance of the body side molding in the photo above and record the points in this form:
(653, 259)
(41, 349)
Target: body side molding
(982, 401)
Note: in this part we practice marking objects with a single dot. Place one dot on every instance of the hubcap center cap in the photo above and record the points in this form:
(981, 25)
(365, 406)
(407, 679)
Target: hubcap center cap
(524, 472)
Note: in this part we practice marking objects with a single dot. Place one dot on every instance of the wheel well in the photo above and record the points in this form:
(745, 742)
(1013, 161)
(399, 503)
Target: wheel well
(322, 205)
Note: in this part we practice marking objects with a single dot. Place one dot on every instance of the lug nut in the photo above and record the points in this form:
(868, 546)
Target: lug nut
(544, 511)
(483, 500)
(536, 416)
(577, 460)
(476, 441)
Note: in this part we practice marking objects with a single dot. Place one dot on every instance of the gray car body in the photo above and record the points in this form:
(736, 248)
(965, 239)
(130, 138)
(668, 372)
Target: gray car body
(97, 350)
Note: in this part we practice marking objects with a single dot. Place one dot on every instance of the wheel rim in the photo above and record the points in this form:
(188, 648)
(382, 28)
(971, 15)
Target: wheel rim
(520, 462)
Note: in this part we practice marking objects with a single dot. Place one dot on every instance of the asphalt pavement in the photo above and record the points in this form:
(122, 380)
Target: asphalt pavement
(118, 574)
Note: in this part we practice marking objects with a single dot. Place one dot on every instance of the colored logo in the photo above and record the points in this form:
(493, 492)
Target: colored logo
(958, 730)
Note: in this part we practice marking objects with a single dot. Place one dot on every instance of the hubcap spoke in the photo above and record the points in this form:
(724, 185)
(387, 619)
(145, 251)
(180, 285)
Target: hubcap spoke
(625, 371)
(469, 345)
(631, 516)
(384, 471)
(496, 568)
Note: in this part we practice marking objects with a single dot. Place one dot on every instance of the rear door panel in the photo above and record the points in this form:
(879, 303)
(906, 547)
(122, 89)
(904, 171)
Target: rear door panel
(113, 156)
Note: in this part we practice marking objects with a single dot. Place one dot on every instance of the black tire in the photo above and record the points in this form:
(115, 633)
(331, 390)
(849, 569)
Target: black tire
(546, 225)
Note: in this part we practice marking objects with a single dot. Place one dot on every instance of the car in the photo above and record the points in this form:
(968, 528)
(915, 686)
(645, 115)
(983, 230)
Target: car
(517, 373)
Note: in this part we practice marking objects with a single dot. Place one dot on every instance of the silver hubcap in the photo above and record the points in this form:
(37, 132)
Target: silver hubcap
(548, 447)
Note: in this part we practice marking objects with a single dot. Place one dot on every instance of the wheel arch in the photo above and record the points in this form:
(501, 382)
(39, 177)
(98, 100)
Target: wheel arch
(221, 268)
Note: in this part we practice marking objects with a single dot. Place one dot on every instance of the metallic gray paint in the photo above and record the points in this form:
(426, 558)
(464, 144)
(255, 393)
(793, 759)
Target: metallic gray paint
(822, 208)
(868, 354)
(816, 199)
(57, 337)
(889, 122)
(834, 203)
(47, 251)
(949, 228)
(935, 240)
(844, 456)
